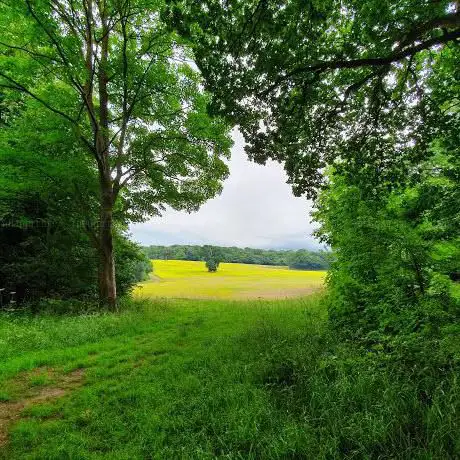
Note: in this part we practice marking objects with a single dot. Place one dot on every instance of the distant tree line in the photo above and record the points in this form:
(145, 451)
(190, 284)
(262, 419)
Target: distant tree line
(300, 259)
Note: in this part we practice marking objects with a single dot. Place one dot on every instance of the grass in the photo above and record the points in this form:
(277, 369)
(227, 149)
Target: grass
(188, 379)
(189, 279)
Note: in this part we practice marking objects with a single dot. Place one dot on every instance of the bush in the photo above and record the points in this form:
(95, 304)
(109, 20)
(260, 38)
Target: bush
(132, 265)
(59, 261)
(389, 285)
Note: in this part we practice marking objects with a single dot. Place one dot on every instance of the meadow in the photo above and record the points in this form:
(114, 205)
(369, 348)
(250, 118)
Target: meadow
(201, 365)
(206, 379)
(190, 279)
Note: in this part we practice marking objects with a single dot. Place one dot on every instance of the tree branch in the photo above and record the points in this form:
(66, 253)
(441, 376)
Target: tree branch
(399, 55)
(18, 87)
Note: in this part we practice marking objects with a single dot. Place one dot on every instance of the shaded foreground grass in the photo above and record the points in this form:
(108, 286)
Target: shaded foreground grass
(212, 379)
(191, 279)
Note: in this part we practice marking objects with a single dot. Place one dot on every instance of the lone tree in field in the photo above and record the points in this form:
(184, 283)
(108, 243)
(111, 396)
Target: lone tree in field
(212, 265)
(211, 257)
(124, 83)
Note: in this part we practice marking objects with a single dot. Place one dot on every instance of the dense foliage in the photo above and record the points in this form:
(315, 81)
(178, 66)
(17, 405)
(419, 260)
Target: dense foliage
(298, 259)
(398, 245)
(309, 82)
(48, 209)
(43, 260)
(396, 255)
(124, 88)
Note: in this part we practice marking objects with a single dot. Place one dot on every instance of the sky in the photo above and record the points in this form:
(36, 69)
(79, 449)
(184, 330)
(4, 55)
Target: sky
(256, 209)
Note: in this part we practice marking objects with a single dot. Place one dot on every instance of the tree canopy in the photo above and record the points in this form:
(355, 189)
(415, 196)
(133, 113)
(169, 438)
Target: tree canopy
(311, 82)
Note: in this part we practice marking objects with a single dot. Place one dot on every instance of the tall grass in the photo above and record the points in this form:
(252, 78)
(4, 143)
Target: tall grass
(215, 379)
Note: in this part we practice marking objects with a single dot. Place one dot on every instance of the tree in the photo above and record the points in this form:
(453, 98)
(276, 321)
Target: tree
(125, 86)
(310, 82)
(212, 257)
(212, 265)
(45, 250)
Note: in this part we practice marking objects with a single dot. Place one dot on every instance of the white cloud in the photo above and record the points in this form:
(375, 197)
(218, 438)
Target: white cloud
(256, 209)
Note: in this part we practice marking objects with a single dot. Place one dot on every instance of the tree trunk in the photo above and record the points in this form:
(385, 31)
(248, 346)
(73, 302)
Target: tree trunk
(107, 283)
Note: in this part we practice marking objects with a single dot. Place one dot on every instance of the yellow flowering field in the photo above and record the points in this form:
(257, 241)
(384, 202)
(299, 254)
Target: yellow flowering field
(190, 279)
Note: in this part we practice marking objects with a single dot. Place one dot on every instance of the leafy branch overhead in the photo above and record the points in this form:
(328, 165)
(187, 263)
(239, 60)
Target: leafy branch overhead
(310, 81)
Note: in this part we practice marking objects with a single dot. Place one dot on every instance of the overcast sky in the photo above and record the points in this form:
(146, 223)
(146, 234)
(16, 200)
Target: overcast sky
(256, 209)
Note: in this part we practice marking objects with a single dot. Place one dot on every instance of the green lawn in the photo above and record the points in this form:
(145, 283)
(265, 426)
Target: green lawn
(193, 379)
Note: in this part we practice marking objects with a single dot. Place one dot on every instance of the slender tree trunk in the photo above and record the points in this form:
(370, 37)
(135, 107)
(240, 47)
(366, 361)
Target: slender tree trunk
(107, 282)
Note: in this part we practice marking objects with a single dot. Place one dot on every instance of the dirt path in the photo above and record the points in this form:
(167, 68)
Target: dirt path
(10, 411)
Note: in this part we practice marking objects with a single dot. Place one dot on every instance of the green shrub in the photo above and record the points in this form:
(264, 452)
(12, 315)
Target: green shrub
(390, 287)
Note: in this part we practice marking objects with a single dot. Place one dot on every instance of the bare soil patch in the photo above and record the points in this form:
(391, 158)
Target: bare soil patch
(10, 411)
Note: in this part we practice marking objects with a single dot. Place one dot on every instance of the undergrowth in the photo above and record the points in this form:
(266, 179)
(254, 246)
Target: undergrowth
(214, 379)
